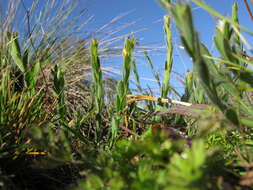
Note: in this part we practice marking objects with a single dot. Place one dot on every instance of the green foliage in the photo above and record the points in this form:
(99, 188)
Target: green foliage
(99, 91)
(205, 68)
(58, 87)
(16, 53)
(122, 89)
(30, 70)
(19, 113)
(150, 163)
(168, 63)
(136, 76)
(156, 75)
(203, 145)
(20, 110)
(57, 147)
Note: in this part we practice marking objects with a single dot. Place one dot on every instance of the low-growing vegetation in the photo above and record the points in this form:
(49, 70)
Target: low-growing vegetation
(58, 131)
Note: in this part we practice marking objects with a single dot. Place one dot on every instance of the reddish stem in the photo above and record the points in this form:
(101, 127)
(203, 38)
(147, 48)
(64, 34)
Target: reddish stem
(129, 131)
(248, 8)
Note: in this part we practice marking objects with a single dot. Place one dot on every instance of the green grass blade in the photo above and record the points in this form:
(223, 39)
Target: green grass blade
(16, 54)
(203, 5)
(168, 63)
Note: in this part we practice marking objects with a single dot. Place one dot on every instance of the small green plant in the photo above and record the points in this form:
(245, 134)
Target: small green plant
(168, 63)
(98, 85)
(122, 89)
(21, 104)
(58, 79)
(150, 163)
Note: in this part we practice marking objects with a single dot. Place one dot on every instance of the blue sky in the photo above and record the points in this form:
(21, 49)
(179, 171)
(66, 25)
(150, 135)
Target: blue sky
(149, 14)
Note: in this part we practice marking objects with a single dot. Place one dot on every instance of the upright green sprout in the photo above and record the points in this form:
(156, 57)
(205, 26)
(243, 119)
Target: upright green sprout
(59, 84)
(122, 88)
(98, 85)
(168, 63)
